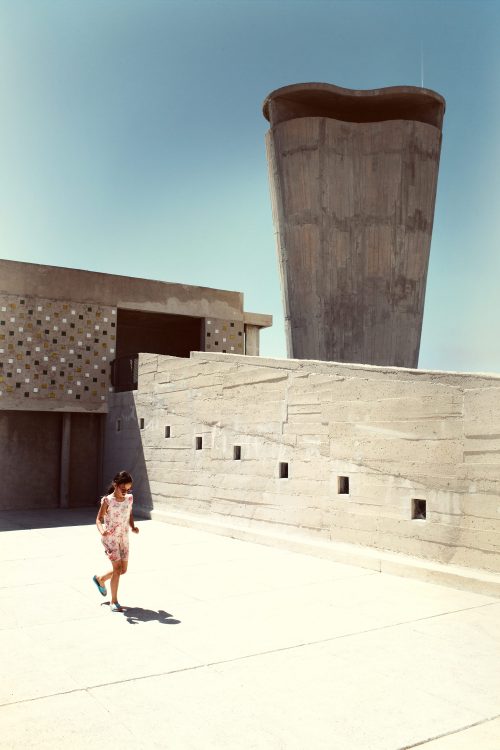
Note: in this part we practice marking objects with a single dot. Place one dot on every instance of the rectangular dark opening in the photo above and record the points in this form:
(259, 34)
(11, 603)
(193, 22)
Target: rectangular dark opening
(118, 425)
(283, 470)
(418, 509)
(124, 373)
(343, 485)
(198, 443)
(237, 452)
(156, 333)
(167, 431)
(141, 423)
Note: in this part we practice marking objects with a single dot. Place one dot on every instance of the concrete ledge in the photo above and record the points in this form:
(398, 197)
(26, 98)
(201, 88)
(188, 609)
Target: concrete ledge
(464, 579)
(261, 320)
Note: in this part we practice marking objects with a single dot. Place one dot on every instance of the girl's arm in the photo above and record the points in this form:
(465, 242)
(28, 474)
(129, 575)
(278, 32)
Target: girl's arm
(132, 524)
(100, 518)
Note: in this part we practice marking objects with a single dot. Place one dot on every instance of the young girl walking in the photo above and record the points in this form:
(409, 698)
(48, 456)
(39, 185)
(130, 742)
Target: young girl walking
(113, 521)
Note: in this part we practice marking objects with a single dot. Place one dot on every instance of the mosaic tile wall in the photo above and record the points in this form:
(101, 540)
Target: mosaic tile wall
(52, 349)
(224, 336)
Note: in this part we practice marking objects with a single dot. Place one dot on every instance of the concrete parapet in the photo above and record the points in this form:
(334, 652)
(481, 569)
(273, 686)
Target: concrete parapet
(321, 452)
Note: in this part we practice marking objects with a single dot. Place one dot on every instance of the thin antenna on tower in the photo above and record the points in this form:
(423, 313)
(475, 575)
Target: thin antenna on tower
(421, 64)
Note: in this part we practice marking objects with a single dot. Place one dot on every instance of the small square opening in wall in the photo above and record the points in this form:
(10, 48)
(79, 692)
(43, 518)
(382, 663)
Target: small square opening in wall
(167, 431)
(118, 421)
(237, 452)
(283, 470)
(198, 443)
(418, 509)
(141, 423)
(343, 485)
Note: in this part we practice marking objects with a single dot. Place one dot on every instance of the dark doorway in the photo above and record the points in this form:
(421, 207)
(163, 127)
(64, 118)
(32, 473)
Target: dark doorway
(30, 459)
(157, 333)
(151, 333)
(84, 461)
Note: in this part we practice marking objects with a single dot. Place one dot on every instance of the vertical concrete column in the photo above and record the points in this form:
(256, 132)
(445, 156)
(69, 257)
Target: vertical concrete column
(252, 334)
(65, 459)
(353, 178)
(100, 455)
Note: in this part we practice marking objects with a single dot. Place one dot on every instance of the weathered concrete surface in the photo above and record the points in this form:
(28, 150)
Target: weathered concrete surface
(61, 328)
(49, 459)
(397, 435)
(123, 448)
(30, 449)
(353, 178)
(61, 331)
(119, 291)
(233, 645)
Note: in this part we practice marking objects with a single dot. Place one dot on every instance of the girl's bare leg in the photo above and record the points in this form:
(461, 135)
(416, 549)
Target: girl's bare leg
(102, 579)
(115, 579)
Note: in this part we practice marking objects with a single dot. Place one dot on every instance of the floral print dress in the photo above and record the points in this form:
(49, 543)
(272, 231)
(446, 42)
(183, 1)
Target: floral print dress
(116, 522)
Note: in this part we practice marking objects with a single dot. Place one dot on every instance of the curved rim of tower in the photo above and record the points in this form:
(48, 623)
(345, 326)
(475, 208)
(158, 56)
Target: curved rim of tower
(354, 105)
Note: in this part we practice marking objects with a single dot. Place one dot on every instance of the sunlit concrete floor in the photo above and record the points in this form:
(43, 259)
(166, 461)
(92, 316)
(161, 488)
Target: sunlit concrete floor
(228, 644)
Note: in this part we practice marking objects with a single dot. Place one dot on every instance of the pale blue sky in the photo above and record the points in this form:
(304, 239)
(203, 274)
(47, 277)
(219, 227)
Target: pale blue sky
(132, 141)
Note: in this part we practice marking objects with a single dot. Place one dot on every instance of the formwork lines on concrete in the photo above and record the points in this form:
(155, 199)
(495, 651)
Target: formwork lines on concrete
(271, 649)
(450, 734)
(256, 655)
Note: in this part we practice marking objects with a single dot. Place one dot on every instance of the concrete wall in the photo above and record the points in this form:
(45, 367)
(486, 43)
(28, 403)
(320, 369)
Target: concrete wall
(85, 459)
(226, 336)
(123, 449)
(31, 459)
(119, 291)
(353, 180)
(60, 328)
(54, 353)
(397, 435)
(126, 293)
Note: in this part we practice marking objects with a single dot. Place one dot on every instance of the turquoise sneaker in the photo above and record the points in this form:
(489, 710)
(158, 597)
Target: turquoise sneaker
(102, 589)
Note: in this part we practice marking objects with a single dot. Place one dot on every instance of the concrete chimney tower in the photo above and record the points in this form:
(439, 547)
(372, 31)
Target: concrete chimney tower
(353, 179)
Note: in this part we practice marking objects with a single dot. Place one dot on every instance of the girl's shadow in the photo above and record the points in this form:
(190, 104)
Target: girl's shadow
(135, 615)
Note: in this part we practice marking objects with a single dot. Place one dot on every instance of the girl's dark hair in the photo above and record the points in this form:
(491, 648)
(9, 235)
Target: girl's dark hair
(123, 477)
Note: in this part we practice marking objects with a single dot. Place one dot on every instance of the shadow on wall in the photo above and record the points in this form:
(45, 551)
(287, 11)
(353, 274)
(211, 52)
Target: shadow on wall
(123, 450)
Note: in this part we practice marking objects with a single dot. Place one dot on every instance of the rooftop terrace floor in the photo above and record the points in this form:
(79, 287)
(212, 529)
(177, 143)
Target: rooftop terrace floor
(229, 644)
